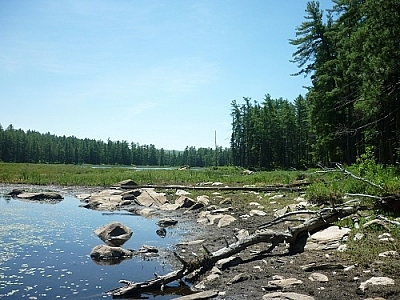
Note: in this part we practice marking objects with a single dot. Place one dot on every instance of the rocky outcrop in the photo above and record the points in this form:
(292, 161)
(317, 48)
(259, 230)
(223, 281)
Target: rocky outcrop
(114, 199)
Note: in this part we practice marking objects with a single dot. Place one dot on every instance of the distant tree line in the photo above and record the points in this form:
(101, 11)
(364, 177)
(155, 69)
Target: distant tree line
(352, 56)
(16, 145)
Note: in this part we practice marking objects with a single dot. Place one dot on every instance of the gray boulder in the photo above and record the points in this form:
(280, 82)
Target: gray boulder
(114, 234)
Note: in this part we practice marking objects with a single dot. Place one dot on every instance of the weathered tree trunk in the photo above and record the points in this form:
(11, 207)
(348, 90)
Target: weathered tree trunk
(320, 220)
(298, 186)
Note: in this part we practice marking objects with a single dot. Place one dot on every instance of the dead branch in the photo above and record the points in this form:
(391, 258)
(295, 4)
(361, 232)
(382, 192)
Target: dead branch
(284, 218)
(364, 196)
(388, 221)
(320, 220)
(346, 172)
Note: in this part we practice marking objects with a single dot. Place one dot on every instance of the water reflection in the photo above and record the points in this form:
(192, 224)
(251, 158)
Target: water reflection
(44, 251)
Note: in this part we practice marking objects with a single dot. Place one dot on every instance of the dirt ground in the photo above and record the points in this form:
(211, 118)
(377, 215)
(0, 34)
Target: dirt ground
(259, 270)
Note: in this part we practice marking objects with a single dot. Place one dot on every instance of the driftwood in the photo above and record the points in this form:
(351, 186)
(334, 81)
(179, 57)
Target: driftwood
(293, 236)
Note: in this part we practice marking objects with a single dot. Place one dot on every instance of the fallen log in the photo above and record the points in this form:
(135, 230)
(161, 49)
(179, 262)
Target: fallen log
(319, 220)
(294, 187)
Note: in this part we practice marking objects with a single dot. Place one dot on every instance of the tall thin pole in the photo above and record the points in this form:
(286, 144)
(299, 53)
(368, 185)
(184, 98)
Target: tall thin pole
(216, 153)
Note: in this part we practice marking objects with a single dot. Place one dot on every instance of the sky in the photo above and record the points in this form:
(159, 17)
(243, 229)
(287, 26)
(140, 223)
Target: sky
(146, 71)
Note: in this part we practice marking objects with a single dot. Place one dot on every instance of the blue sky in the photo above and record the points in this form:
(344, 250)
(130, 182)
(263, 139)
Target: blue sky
(149, 72)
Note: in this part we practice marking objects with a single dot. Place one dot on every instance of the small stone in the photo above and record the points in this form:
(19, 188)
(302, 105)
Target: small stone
(318, 277)
(166, 222)
(349, 268)
(256, 212)
(282, 284)
(388, 254)
(182, 193)
(358, 236)
(238, 278)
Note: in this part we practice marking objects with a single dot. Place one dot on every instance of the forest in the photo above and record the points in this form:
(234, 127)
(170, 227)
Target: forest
(351, 54)
(19, 146)
(352, 57)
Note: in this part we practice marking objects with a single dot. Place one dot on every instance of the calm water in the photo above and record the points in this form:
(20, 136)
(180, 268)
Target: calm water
(44, 251)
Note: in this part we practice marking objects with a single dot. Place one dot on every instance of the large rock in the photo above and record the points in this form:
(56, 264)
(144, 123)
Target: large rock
(108, 199)
(104, 252)
(327, 239)
(114, 234)
(41, 196)
(151, 198)
(226, 220)
(376, 281)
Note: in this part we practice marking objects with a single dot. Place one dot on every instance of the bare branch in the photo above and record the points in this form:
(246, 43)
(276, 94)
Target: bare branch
(340, 167)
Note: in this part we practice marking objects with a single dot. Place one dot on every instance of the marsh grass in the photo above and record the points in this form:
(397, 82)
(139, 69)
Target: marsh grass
(87, 175)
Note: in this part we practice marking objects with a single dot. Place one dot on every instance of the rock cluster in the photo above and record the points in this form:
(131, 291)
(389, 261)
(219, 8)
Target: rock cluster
(114, 235)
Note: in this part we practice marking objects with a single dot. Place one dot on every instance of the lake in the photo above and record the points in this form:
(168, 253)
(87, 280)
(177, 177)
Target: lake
(44, 251)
